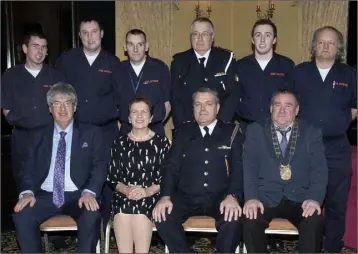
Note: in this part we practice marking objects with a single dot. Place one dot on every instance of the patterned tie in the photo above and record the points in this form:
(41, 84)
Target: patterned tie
(202, 60)
(284, 142)
(59, 172)
(207, 134)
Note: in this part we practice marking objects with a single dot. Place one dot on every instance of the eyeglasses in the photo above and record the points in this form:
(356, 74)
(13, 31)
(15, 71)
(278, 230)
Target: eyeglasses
(205, 35)
(66, 104)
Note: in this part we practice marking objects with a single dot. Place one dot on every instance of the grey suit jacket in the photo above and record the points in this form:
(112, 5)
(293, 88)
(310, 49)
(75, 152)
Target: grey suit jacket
(262, 178)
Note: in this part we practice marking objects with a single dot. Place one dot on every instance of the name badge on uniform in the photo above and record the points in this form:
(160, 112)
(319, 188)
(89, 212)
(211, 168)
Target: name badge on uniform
(282, 74)
(47, 86)
(224, 147)
(219, 74)
(151, 81)
(104, 71)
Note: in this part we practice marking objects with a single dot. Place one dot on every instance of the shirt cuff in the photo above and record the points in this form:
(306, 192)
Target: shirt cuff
(90, 192)
(24, 192)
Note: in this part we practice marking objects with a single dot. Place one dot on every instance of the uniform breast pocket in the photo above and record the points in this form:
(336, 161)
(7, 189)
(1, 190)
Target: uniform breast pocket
(341, 96)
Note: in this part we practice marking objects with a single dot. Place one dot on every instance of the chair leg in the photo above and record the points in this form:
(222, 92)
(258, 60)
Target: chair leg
(98, 247)
(47, 247)
(107, 238)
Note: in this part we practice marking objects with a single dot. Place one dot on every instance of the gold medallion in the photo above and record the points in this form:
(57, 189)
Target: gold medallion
(285, 172)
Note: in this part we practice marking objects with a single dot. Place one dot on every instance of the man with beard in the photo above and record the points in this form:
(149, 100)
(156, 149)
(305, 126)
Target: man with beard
(261, 73)
(328, 95)
(23, 95)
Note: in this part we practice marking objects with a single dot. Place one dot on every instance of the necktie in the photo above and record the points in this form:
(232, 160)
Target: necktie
(207, 134)
(284, 141)
(59, 172)
(202, 60)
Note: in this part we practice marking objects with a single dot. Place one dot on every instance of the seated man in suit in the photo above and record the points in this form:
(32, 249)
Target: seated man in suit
(285, 175)
(202, 176)
(63, 174)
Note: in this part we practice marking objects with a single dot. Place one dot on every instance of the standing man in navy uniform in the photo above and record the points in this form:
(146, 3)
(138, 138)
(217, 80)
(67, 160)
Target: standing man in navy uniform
(143, 76)
(91, 71)
(328, 91)
(23, 95)
(202, 66)
(202, 176)
(261, 73)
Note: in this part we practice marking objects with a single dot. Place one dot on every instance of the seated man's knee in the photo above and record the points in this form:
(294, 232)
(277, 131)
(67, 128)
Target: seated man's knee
(249, 224)
(25, 216)
(88, 218)
(314, 221)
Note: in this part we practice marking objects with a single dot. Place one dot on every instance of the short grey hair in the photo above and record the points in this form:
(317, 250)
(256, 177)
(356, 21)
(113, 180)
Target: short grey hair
(207, 90)
(64, 89)
(202, 20)
(340, 42)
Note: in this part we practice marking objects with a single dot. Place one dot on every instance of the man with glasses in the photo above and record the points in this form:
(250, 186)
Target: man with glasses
(63, 174)
(202, 66)
(23, 94)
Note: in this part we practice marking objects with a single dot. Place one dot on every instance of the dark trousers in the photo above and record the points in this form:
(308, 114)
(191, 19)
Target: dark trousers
(27, 222)
(310, 229)
(184, 206)
(338, 155)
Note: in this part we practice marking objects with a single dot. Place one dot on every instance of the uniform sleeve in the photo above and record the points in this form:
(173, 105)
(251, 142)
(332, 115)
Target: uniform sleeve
(318, 167)
(354, 90)
(289, 75)
(7, 91)
(60, 65)
(166, 83)
(171, 169)
(159, 109)
(115, 173)
(236, 173)
(228, 109)
(251, 163)
(175, 100)
(117, 77)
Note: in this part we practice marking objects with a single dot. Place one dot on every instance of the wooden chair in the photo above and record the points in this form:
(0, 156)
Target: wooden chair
(193, 224)
(60, 223)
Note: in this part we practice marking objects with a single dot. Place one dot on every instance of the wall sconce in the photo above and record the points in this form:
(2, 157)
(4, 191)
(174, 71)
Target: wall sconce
(268, 14)
(202, 13)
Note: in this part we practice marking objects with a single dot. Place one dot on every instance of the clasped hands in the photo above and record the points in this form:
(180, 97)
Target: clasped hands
(136, 192)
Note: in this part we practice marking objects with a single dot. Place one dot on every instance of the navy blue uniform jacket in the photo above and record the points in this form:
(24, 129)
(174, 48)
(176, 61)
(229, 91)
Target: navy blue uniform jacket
(262, 180)
(196, 166)
(187, 77)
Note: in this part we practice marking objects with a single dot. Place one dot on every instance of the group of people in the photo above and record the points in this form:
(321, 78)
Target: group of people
(287, 156)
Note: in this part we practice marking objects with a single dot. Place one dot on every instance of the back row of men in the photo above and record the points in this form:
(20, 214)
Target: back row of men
(105, 86)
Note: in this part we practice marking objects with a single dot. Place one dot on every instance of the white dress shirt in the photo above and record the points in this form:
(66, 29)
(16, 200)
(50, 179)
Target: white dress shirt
(206, 55)
(210, 126)
(279, 135)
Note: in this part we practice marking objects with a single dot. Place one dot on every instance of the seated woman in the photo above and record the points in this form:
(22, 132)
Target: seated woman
(135, 175)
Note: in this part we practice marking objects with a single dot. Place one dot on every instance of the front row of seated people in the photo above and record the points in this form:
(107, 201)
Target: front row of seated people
(278, 170)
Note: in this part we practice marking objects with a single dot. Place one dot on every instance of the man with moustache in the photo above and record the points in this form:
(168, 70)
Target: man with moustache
(261, 73)
(285, 175)
(92, 72)
(202, 176)
(202, 66)
(23, 95)
(143, 76)
(328, 95)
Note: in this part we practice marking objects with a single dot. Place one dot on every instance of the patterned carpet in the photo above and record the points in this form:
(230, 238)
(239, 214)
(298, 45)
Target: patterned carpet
(199, 245)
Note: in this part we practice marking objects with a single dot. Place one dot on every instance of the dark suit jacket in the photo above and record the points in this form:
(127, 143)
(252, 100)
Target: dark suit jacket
(88, 166)
(197, 167)
(187, 77)
(262, 178)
